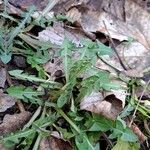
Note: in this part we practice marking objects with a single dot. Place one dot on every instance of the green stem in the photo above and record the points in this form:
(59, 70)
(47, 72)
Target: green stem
(33, 118)
(68, 120)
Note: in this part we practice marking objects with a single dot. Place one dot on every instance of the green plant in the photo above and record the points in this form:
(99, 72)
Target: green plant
(60, 100)
(7, 37)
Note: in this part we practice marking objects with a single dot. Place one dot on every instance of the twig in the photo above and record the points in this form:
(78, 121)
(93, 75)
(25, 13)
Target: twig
(146, 126)
(133, 116)
(113, 46)
(117, 70)
(9, 81)
(50, 5)
(108, 140)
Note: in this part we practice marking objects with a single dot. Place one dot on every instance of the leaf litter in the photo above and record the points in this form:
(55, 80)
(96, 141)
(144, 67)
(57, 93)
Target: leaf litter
(68, 66)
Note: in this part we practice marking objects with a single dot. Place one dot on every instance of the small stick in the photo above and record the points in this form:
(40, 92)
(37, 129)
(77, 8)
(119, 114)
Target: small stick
(108, 140)
(146, 126)
(113, 46)
(133, 116)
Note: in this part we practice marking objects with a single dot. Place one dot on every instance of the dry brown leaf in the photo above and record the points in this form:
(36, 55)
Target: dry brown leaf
(54, 143)
(134, 56)
(119, 94)
(14, 122)
(2, 77)
(23, 4)
(110, 107)
(114, 7)
(111, 26)
(57, 33)
(74, 14)
(112, 60)
(6, 102)
(96, 19)
(14, 10)
(140, 17)
(139, 92)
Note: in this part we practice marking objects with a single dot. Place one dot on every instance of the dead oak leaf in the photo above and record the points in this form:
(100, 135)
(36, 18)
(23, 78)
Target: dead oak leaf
(110, 107)
(6, 102)
(11, 123)
(54, 143)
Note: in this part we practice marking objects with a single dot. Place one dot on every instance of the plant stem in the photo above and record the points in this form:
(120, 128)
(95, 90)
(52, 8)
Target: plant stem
(68, 120)
(33, 118)
(133, 116)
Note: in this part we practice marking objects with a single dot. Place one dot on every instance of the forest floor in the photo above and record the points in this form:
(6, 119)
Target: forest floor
(74, 75)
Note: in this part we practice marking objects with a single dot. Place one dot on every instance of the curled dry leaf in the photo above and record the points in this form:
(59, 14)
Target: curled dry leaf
(54, 143)
(2, 77)
(109, 107)
(119, 94)
(6, 102)
(14, 122)
(109, 25)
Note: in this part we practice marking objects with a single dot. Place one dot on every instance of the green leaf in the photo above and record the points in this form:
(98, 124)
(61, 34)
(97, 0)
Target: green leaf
(66, 95)
(23, 93)
(15, 137)
(122, 145)
(66, 54)
(128, 136)
(14, 33)
(124, 133)
(5, 58)
(24, 76)
(98, 81)
(127, 110)
(83, 143)
(101, 124)
(77, 68)
(104, 50)
(88, 51)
